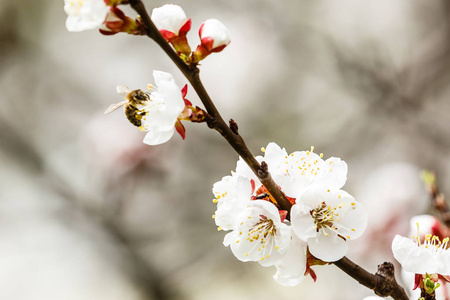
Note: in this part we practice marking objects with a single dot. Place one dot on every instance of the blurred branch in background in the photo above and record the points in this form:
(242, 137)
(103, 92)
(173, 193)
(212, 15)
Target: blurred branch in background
(147, 279)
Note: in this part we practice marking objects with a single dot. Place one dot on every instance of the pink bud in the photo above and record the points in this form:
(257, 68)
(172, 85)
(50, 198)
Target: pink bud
(171, 21)
(214, 35)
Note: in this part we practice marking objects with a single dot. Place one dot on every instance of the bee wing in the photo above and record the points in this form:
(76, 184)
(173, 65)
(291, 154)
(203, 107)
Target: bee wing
(113, 107)
(123, 90)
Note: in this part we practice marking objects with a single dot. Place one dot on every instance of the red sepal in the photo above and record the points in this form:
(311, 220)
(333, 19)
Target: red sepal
(208, 43)
(310, 272)
(185, 28)
(417, 280)
(183, 94)
(201, 29)
(291, 200)
(252, 182)
(283, 214)
(180, 129)
(107, 32)
(184, 91)
(218, 49)
(167, 34)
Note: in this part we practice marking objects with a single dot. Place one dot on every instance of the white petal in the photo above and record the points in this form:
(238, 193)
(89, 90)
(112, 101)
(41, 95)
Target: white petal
(314, 195)
(328, 248)
(233, 193)
(246, 242)
(302, 222)
(352, 219)
(169, 17)
(444, 264)
(413, 258)
(333, 174)
(353, 223)
(158, 137)
(169, 89)
(215, 29)
(243, 169)
(292, 265)
(276, 159)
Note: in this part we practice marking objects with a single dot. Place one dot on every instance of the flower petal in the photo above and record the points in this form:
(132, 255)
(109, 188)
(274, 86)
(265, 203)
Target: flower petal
(328, 248)
(158, 137)
(292, 265)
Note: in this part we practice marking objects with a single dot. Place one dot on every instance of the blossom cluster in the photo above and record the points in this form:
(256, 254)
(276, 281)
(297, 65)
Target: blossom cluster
(323, 217)
(170, 20)
(173, 24)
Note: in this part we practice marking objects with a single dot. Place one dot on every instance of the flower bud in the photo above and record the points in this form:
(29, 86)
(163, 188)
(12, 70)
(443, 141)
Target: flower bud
(116, 21)
(172, 23)
(214, 37)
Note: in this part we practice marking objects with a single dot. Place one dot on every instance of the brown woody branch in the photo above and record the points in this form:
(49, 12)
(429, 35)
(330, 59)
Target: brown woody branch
(192, 73)
(383, 282)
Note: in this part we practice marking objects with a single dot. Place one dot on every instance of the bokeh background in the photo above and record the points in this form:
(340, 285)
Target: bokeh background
(89, 212)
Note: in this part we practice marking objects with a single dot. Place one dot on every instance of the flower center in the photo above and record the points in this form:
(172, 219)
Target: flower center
(432, 242)
(263, 232)
(308, 165)
(323, 216)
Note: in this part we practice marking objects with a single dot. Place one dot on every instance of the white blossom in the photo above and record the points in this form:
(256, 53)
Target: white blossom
(165, 105)
(431, 256)
(306, 168)
(260, 235)
(84, 14)
(323, 217)
(232, 195)
(326, 219)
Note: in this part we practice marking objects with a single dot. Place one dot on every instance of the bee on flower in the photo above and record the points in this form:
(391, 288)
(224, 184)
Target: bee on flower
(155, 112)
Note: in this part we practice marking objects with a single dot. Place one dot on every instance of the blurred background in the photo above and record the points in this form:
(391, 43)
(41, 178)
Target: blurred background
(87, 211)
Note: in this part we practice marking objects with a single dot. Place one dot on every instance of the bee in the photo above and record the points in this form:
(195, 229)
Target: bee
(134, 100)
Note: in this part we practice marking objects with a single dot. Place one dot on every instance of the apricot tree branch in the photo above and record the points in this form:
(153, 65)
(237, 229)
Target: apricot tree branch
(192, 73)
(383, 282)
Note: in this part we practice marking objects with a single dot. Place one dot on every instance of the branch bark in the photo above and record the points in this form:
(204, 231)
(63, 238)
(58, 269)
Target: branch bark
(383, 283)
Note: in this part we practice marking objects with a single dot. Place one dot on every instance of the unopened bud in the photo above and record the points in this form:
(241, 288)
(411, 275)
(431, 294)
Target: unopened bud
(172, 23)
(214, 37)
(116, 21)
